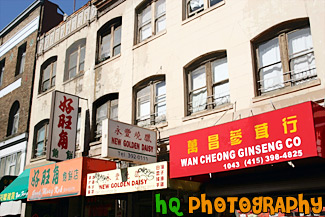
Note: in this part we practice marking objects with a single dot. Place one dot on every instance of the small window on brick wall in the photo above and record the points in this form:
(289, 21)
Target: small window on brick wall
(2, 70)
(20, 67)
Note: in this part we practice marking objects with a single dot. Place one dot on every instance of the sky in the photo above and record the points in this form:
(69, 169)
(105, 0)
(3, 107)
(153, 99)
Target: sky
(10, 9)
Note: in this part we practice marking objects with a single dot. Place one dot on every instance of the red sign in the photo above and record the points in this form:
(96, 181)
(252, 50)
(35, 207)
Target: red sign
(282, 135)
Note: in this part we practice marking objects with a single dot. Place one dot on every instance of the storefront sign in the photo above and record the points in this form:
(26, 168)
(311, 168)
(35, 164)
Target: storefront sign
(63, 127)
(282, 135)
(129, 142)
(139, 178)
(63, 179)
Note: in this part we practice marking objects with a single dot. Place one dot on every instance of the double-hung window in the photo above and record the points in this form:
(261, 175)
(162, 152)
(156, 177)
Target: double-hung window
(151, 19)
(196, 6)
(208, 83)
(75, 59)
(106, 107)
(109, 39)
(48, 74)
(10, 165)
(285, 60)
(151, 103)
(13, 121)
(20, 67)
(40, 138)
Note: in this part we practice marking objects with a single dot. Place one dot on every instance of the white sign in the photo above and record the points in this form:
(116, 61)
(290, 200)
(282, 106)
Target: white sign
(128, 142)
(139, 178)
(63, 127)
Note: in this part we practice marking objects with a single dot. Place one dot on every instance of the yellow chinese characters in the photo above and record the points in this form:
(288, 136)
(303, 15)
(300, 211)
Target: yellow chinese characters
(192, 146)
(292, 120)
(235, 137)
(213, 141)
(262, 131)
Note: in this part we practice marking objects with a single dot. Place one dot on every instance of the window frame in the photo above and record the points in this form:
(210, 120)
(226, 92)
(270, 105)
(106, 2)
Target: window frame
(2, 70)
(21, 59)
(152, 84)
(206, 5)
(279, 32)
(152, 22)
(110, 28)
(205, 62)
(13, 163)
(50, 62)
(44, 123)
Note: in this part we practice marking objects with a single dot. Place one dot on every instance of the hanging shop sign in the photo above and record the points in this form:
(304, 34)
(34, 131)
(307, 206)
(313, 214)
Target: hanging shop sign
(63, 179)
(140, 178)
(286, 134)
(128, 142)
(63, 127)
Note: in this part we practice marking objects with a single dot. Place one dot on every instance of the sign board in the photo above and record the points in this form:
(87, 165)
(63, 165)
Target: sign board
(139, 178)
(63, 179)
(128, 142)
(282, 135)
(63, 127)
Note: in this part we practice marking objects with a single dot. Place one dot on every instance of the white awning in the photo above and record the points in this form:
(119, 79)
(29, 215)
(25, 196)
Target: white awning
(10, 208)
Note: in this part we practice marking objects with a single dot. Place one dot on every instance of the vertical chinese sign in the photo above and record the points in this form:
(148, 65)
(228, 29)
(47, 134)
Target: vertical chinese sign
(129, 142)
(63, 127)
(282, 135)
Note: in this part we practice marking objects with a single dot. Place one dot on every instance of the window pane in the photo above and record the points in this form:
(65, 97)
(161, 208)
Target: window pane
(54, 69)
(39, 149)
(114, 112)
(145, 15)
(160, 8)
(18, 162)
(271, 75)
(199, 100)
(15, 123)
(8, 163)
(269, 53)
(160, 109)
(145, 32)
(101, 112)
(47, 72)
(22, 63)
(2, 166)
(144, 108)
(220, 70)
(161, 24)
(221, 94)
(117, 36)
(198, 78)
(41, 134)
(82, 59)
(73, 60)
(303, 68)
(195, 5)
(213, 2)
(105, 48)
(271, 78)
(299, 41)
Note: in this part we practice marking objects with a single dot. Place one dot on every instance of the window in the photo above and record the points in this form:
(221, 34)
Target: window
(20, 67)
(285, 60)
(13, 119)
(10, 165)
(2, 69)
(208, 82)
(105, 107)
(48, 72)
(75, 59)
(195, 6)
(151, 19)
(40, 138)
(109, 40)
(150, 101)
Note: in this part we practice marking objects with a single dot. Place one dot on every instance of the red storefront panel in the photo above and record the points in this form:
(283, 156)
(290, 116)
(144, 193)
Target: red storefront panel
(282, 135)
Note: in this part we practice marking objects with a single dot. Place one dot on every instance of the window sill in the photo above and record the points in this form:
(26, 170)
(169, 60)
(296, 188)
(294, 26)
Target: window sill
(38, 158)
(74, 78)
(149, 39)
(95, 143)
(46, 92)
(200, 114)
(187, 20)
(106, 61)
(287, 90)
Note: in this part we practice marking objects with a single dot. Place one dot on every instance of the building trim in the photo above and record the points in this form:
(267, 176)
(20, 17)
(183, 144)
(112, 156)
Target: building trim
(14, 140)
(11, 87)
(19, 36)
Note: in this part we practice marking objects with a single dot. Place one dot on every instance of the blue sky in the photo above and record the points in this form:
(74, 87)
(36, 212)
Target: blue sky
(10, 9)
